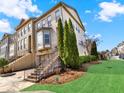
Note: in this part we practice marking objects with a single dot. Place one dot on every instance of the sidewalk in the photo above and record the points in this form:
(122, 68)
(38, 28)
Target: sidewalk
(13, 83)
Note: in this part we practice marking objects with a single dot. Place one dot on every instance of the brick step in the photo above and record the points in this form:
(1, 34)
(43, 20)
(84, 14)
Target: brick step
(33, 76)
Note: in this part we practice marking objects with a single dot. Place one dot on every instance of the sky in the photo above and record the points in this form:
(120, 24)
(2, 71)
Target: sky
(103, 19)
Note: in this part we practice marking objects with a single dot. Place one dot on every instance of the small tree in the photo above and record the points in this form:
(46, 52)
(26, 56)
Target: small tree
(60, 38)
(94, 49)
(66, 45)
(3, 62)
(74, 61)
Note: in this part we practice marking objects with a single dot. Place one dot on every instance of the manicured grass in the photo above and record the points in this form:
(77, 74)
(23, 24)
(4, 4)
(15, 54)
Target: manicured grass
(107, 77)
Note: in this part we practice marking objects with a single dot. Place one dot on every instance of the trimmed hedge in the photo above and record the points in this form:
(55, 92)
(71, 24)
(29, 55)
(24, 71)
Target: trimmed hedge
(85, 59)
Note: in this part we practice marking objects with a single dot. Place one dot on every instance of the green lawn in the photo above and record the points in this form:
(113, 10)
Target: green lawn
(107, 77)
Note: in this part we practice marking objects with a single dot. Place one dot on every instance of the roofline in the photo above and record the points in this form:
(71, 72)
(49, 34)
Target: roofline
(49, 11)
(76, 13)
(19, 26)
(58, 5)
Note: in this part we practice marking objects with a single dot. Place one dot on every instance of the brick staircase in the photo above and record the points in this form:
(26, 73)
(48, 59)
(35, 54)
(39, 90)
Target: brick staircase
(44, 71)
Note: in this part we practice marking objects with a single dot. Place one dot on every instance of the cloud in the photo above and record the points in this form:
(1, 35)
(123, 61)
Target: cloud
(87, 11)
(5, 26)
(85, 23)
(18, 8)
(97, 36)
(53, 1)
(110, 10)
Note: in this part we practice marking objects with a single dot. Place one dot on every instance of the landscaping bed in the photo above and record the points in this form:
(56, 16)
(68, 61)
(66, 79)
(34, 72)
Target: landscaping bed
(68, 75)
(62, 77)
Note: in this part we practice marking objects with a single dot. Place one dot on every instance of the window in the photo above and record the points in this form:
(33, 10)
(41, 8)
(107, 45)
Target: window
(18, 45)
(29, 27)
(23, 30)
(21, 33)
(57, 15)
(18, 34)
(44, 23)
(39, 25)
(11, 51)
(21, 44)
(46, 37)
(39, 40)
(49, 21)
(77, 29)
(26, 29)
(24, 43)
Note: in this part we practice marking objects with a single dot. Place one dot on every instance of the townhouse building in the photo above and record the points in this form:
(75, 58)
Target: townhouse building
(4, 46)
(36, 38)
(8, 46)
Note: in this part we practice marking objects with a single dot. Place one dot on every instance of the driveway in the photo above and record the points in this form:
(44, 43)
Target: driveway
(13, 84)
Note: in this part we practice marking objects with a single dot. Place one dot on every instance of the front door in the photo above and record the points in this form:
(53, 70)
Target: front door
(29, 44)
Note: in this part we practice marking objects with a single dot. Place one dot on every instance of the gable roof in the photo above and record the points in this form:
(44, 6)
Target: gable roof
(23, 22)
(63, 5)
(75, 12)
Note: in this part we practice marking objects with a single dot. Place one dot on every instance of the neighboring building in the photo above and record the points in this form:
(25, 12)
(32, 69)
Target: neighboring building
(120, 48)
(103, 55)
(114, 51)
(4, 46)
(8, 46)
(12, 47)
(36, 38)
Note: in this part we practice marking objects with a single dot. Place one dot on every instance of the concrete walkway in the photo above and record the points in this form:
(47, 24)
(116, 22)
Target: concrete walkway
(15, 83)
(12, 84)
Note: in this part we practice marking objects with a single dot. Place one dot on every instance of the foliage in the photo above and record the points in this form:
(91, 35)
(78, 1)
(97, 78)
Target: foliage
(66, 45)
(85, 59)
(94, 49)
(74, 61)
(60, 38)
(3, 62)
(71, 55)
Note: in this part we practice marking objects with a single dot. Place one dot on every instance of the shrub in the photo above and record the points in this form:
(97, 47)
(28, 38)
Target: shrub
(93, 58)
(71, 55)
(3, 62)
(85, 59)
(94, 49)
(60, 38)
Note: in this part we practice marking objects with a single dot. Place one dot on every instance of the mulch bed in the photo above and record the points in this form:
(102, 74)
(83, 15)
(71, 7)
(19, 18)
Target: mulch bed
(62, 77)
(68, 75)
